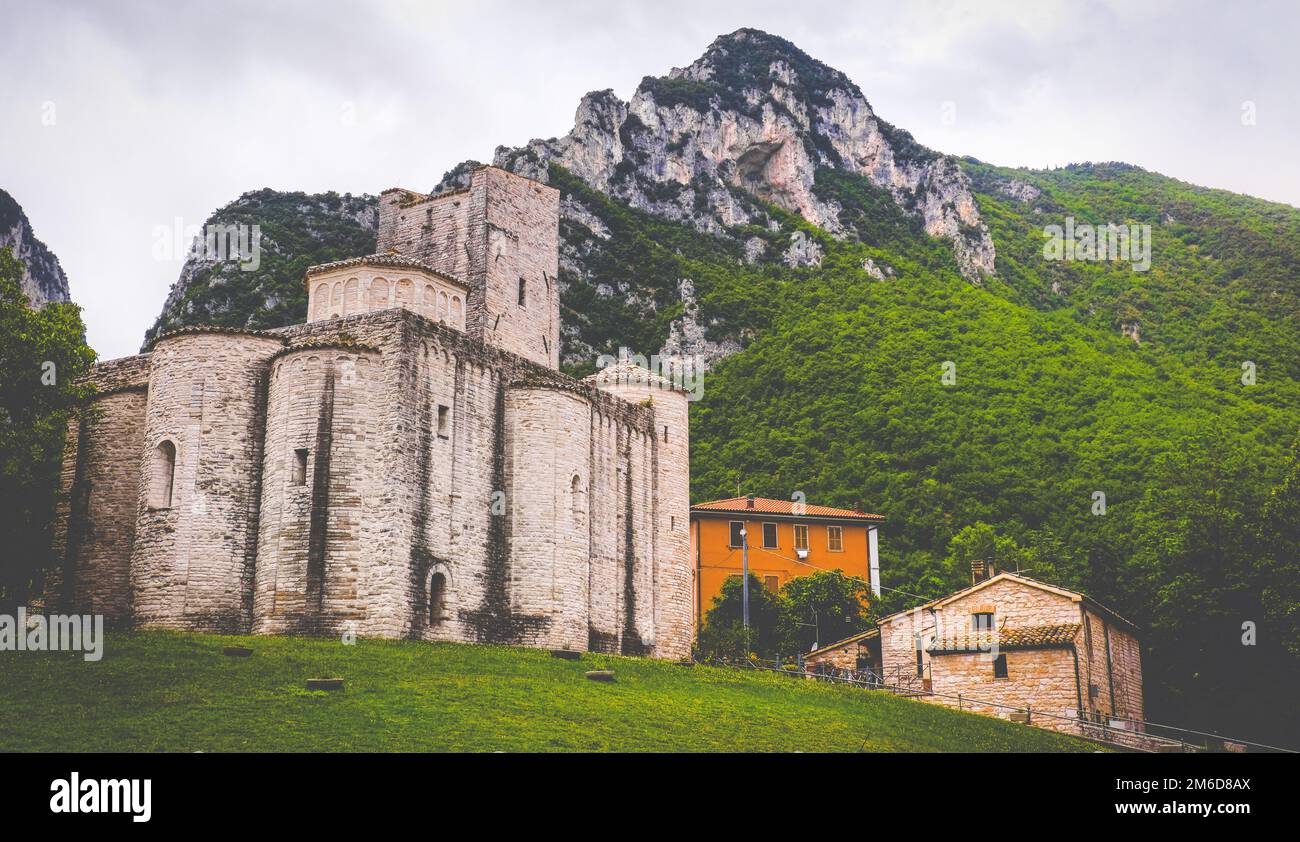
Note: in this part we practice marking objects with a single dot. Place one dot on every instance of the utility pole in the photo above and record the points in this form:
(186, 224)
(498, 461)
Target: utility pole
(744, 578)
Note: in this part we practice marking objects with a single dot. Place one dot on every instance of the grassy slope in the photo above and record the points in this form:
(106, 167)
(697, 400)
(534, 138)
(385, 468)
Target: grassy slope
(176, 692)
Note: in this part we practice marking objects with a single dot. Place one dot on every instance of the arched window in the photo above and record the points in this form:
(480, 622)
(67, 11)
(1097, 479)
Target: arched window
(455, 310)
(321, 302)
(379, 294)
(442, 306)
(352, 297)
(405, 293)
(437, 598)
(162, 475)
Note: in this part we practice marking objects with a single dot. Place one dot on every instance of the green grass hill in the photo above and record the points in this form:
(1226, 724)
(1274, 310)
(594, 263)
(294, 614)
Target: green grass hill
(163, 691)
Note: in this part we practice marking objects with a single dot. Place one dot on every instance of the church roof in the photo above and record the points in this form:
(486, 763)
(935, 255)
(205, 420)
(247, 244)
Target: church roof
(395, 261)
(627, 371)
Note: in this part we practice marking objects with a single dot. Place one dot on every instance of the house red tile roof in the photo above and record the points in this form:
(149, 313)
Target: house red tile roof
(1024, 637)
(766, 506)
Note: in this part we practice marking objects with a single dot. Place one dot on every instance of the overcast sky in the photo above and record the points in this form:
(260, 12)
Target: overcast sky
(119, 117)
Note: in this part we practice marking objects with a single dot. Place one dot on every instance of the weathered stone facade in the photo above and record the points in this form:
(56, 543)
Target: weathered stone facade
(1064, 655)
(392, 467)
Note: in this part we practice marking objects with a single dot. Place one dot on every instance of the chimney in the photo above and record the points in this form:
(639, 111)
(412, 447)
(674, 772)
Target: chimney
(857, 508)
(979, 571)
(749, 502)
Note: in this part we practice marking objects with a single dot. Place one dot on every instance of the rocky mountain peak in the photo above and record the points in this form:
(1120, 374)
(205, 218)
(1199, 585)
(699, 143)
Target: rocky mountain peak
(43, 280)
(755, 118)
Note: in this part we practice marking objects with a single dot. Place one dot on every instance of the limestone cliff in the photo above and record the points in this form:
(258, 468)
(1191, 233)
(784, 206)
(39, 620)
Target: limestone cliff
(43, 281)
(755, 117)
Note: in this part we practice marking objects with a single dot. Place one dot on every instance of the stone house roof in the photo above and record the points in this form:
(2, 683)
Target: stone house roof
(1073, 596)
(1027, 637)
(866, 635)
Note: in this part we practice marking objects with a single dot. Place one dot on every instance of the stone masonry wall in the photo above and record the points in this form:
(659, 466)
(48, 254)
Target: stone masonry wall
(1013, 604)
(192, 560)
(99, 490)
(500, 229)
(523, 239)
(441, 518)
(548, 451)
(1110, 668)
(1039, 679)
(898, 644)
(317, 482)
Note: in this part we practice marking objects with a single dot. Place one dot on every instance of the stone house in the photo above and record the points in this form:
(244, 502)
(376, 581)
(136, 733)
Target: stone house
(857, 654)
(410, 462)
(1005, 645)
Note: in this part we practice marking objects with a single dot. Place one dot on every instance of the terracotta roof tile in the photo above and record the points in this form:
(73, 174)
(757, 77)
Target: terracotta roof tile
(1024, 637)
(764, 505)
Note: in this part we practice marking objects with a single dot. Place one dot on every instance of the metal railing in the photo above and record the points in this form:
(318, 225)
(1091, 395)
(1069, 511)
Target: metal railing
(1136, 734)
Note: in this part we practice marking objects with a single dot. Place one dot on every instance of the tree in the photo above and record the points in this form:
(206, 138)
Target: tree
(1280, 536)
(724, 635)
(821, 608)
(981, 542)
(42, 352)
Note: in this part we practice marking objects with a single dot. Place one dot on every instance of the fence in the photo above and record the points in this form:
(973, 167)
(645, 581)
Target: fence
(1135, 734)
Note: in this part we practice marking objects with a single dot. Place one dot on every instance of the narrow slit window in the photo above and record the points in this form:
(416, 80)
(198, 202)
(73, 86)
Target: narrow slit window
(523, 293)
(299, 467)
(444, 422)
(163, 475)
(665, 432)
(437, 599)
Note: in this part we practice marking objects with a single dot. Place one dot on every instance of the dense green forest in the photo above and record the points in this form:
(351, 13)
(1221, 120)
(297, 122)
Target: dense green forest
(1138, 471)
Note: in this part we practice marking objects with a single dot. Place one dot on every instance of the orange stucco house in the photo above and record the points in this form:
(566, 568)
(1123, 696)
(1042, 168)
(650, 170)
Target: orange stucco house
(785, 539)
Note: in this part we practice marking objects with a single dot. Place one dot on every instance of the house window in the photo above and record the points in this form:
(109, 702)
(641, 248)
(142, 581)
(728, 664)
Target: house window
(437, 598)
(299, 467)
(772, 583)
(163, 475)
(835, 539)
(920, 659)
(523, 293)
(737, 540)
(444, 421)
(769, 536)
(800, 536)
(982, 621)
(1000, 666)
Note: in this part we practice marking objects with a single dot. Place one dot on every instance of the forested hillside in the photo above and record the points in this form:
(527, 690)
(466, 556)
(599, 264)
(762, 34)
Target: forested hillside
(839, 395)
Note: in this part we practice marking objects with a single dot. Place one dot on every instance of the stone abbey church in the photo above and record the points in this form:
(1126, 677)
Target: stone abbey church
(410, 463)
